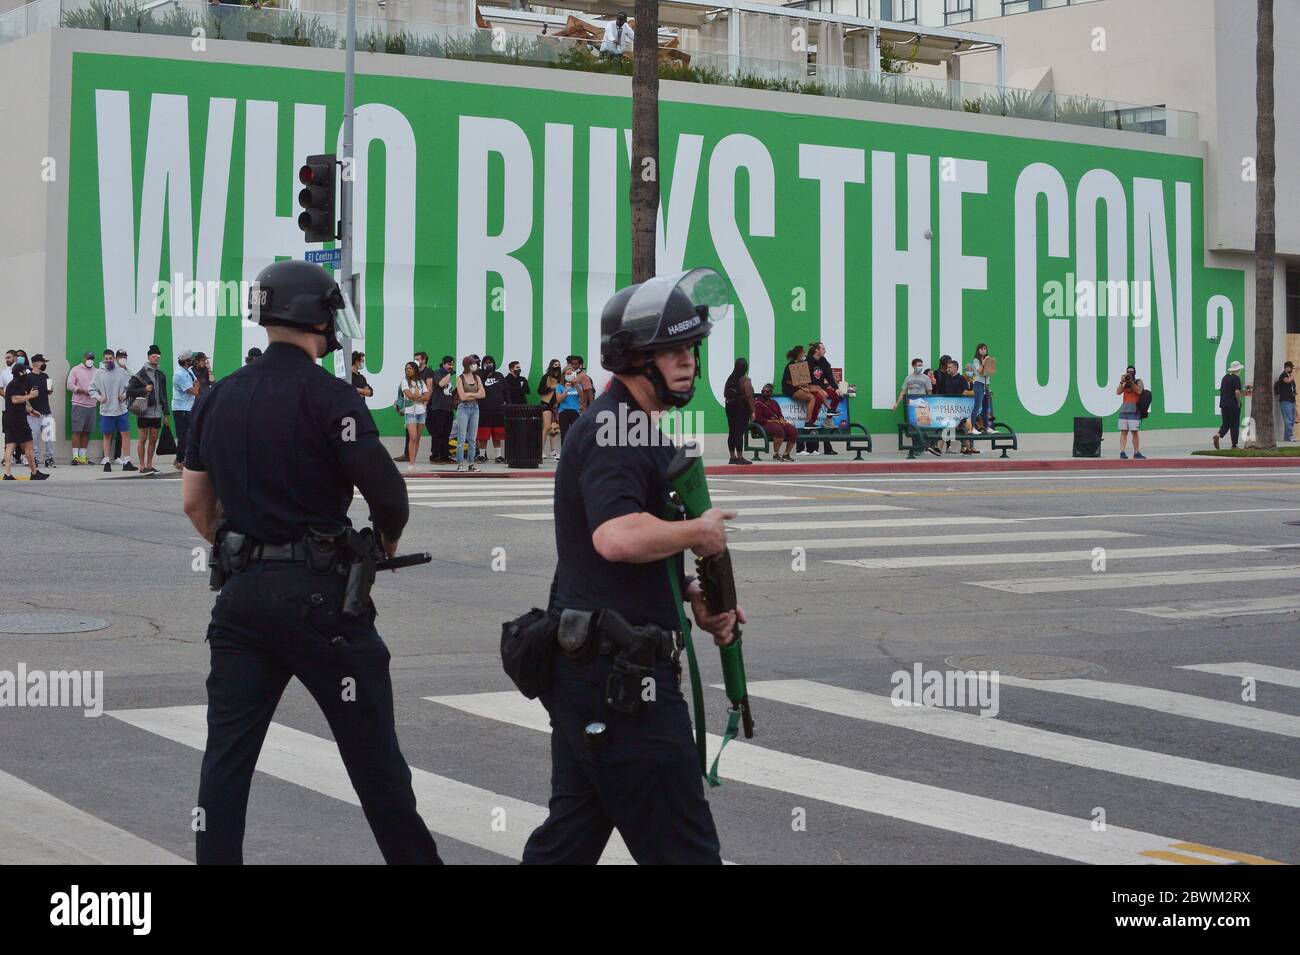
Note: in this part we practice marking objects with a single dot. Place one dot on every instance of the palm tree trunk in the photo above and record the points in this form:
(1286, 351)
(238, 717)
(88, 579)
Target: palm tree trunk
(1265, 227)
(644, 191)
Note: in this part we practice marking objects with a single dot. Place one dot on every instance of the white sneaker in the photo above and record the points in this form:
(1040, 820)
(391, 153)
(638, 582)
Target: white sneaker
(990, 431)
(460, 467)
(802, 453)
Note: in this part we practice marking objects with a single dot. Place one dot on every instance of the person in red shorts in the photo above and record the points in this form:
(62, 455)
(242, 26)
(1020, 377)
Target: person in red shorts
(492, 424)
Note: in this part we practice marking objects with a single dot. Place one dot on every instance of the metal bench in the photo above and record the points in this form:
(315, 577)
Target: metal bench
(853, 436)
(915, 439)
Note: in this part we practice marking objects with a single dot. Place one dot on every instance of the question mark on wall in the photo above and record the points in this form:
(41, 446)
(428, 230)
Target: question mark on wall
(1219, 325)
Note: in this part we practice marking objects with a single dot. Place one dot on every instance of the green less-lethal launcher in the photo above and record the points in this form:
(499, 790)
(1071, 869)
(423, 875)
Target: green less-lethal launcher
(686, 475)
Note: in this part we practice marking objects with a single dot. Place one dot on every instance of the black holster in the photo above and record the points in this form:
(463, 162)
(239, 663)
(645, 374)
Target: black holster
(361, 550)
(633, 650)
(230, 553)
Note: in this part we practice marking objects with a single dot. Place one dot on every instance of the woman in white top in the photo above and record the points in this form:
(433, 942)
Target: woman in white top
(412, 399)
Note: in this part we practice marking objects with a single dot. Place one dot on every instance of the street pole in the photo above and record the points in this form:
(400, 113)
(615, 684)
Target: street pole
(345, 181)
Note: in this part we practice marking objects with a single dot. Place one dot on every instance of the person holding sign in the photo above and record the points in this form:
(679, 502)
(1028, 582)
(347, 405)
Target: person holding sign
(796, 383)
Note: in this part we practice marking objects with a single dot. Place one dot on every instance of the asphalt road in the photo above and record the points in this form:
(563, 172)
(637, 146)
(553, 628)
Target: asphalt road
(1142, 626)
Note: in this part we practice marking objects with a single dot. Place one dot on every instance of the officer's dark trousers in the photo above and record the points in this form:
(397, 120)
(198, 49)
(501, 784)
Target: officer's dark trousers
(646, 781)
(439, 426)
(274, 621)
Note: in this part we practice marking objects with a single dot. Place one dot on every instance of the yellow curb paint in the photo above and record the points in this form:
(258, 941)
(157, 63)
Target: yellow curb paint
(1226, 854)
(1175, 857)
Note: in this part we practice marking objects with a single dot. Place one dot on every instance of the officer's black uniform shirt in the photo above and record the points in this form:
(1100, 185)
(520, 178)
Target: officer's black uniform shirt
(595, 484)
(274, 440)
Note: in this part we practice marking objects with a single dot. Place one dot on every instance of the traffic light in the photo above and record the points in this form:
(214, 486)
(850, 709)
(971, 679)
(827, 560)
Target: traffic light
(317, 198)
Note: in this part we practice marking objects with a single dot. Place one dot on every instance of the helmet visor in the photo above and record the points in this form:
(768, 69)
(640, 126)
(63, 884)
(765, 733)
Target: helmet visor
(704, 288)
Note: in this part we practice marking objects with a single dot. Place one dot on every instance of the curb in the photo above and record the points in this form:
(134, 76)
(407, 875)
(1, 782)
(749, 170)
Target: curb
(922, 467)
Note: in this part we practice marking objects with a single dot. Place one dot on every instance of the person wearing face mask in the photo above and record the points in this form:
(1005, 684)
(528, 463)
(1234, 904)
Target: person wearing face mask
(109, 389)
(917, 383)
(275, 452)
(40, 417)
(568, 402)
(80, 378)
(492, 411)
(442, 383)
(18, 395)
(586, 388)
(553, 375)
(469, 391)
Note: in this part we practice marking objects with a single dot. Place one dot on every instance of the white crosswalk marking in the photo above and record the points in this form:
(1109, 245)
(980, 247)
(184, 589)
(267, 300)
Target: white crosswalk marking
(1167, 701)
(1047, 557)
(1259, 672)
(1028, 741)
(1243, 607)
(941, 540)
(449, 808)
(39, 829)
(1163, 578)
(950, 521)
(1007, 823)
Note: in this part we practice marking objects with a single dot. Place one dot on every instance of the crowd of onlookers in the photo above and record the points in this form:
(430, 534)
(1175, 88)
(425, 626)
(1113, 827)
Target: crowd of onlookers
(463, 411)
(809, 380)
(468, 405)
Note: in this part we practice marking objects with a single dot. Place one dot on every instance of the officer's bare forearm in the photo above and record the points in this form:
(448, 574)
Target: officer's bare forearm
(643, 538)
(370, 468)
(199, 499)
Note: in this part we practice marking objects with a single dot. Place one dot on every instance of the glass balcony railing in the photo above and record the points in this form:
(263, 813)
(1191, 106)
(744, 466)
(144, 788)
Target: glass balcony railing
(323, 30)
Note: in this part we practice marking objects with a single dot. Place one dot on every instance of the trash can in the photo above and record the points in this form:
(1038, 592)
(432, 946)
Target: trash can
(523, 436)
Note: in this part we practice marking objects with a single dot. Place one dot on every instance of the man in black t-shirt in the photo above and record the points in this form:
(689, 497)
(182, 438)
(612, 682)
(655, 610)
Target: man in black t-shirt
(492, 413)
(1230, 395)
(18, 433)
(359, 380)
(40, 417)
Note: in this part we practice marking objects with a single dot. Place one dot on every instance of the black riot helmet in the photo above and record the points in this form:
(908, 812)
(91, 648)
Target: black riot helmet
(297, 294)
(667, 311)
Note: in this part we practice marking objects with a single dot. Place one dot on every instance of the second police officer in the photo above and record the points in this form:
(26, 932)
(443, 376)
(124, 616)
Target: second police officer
(623, 758)
(274, 452)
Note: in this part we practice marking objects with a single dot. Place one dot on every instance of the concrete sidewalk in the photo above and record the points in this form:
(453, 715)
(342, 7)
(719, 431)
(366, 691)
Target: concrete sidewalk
(1038, 452)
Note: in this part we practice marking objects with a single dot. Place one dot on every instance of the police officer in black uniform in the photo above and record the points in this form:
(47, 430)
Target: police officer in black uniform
(274, 452)
(639, 772)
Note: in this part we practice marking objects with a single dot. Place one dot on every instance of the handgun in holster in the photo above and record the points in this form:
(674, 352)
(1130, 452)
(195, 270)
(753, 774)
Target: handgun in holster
(230, 553)
(583, 633)
(361, 552)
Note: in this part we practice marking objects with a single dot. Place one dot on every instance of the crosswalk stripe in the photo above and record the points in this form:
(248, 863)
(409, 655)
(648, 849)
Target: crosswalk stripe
(740, 511)
(1028, 741)
(37, 828)
(450, 808)
(1243, 607)
(948, 521)
(1163, 578)
(1035, 830)
(1009, 537)
(1047, 557)
(1167, 701)
(1259, 672)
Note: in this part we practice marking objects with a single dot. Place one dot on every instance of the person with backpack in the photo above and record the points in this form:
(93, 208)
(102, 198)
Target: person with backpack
(1130, 416)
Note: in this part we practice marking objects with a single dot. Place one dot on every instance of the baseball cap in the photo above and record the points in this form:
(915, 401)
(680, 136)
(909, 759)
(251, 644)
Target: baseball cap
(197, 355)
(186, 355)
(37, 357)
(89, 354)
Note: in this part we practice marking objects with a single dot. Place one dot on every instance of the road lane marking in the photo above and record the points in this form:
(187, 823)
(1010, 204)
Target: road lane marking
(825, 543)
(37, 828)
(1035, 830)
(1243, 607)
(450, 808)
(1162, 578)
(1169, 702)
(1047, 557)
(1011, 737)
(1279, 676)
